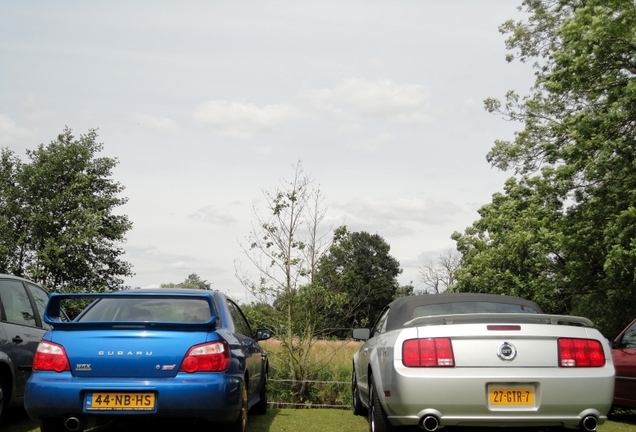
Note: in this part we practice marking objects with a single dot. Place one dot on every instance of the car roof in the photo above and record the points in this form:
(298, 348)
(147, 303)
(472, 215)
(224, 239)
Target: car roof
(402, 308)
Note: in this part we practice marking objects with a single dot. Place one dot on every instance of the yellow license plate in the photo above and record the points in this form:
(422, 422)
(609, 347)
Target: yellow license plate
(511, 395)
(102, 401)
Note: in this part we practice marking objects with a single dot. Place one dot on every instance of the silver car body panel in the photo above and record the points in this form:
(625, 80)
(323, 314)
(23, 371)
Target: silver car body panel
(459, 395)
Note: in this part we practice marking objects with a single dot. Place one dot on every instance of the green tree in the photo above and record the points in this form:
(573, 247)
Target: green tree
(260, 315)
(193, 281)
(515, 248)
(405, 290)
(358, 267)
(284, 247)
(57, 216)
(562, 231)
(12, 214)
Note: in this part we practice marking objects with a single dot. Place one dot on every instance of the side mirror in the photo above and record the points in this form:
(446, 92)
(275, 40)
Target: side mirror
(263, 334)
(361, 334)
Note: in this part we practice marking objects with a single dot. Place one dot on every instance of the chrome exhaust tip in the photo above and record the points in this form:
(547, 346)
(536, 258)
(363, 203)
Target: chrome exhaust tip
(589, 423)
(429, 423)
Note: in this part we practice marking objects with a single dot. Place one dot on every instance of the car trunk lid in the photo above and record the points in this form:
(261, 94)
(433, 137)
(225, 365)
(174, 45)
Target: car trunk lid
(127, 353)
(505, 340)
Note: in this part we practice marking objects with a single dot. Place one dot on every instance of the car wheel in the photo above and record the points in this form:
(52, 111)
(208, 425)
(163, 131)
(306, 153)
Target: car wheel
(378, 421)
(240, 425)
(53, 425)
(260, 408)
(2, 401)
(356, 403)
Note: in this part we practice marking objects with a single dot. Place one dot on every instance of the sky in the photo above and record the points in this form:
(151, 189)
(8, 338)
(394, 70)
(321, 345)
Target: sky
(207, 104)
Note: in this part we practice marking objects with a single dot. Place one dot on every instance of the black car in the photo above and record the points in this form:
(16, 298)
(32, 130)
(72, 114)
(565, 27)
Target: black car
(22, 304)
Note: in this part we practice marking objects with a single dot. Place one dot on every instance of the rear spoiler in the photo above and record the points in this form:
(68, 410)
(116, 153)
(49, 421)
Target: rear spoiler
(54, 315)
(516, 318)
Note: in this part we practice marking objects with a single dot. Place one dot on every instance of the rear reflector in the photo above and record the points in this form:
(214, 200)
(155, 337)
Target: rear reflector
(581, 353)
(431, 352)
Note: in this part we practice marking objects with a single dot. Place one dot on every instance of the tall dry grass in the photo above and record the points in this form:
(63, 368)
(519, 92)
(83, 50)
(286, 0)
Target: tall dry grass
(329, 379)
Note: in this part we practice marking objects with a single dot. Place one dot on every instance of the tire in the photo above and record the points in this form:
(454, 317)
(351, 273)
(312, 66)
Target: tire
(260, 408)
(356, 403)
(2, 395)
(378, 421)
(240, 425)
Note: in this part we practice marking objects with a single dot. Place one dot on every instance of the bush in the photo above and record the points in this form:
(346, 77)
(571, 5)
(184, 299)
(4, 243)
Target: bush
(329, 383)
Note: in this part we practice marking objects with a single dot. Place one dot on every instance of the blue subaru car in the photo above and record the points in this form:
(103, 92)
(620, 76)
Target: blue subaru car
(147, 354)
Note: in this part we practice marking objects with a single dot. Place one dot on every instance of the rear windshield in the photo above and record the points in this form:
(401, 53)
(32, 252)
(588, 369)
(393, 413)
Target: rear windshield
(153, 309)
(470, 307)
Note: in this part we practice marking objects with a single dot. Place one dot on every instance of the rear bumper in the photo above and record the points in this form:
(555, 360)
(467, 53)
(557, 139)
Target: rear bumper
(203, 396)
(460, 397)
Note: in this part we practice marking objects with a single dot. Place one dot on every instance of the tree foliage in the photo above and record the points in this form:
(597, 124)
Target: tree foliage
(562, 232)
(193, 281)
(284, 247)
(57, 216)
(358, 270)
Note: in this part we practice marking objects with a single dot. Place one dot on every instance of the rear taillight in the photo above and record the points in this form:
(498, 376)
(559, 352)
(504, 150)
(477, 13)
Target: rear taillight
(208, 357)
(431, 352)
(581, 353)
(50, 357)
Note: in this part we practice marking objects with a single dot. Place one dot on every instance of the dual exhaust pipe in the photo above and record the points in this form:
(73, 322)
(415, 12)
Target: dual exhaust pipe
(430, 423)
(589, 423)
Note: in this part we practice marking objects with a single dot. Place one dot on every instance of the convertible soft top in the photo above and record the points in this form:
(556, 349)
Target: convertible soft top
(402, 309)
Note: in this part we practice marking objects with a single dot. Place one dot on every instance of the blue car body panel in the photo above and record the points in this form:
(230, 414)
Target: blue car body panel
(210, 397)
(129, 356)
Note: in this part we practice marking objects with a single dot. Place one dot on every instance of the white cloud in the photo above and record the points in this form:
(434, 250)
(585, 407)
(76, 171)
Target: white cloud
(162, 265)
(242, 120)
(404, 104)
(159, 125)
(414, 210)
(10, 134)
(211, 215)
(372, 145)
(471, 105)
(157, 256)
(350, 128)
(388, 228)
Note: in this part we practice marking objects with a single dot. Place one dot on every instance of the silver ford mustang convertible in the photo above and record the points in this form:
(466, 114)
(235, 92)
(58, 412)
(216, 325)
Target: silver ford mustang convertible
(480, 360)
